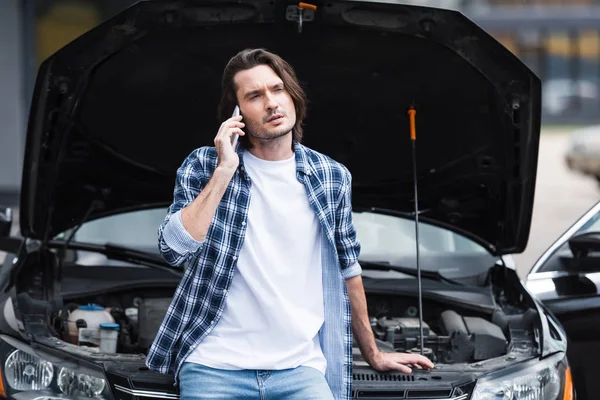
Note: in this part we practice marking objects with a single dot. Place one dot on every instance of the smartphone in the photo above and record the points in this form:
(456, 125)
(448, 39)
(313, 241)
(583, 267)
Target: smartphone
(235, 137)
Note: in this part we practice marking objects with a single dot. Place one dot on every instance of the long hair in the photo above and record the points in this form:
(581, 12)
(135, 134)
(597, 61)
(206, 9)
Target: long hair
(250, 58)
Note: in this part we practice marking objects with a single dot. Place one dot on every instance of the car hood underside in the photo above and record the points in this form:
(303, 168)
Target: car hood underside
(116, 111)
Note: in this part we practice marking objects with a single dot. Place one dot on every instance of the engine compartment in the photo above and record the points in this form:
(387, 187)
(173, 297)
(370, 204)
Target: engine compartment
(137, 313)
(451, 335)
(462, 339)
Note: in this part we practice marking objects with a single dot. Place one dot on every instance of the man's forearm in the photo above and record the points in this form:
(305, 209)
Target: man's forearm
(361, 326)
(198, 215)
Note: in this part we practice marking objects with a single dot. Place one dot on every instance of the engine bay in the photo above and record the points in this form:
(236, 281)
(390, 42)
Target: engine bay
(462, 339)
(451, 335)
(134, 314)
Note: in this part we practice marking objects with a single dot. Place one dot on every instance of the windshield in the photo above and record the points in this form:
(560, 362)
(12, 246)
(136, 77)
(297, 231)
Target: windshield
(383, 238)
(387, 237)
(592, 225)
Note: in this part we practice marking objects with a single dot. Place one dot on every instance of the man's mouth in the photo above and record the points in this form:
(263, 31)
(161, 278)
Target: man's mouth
(274, 117)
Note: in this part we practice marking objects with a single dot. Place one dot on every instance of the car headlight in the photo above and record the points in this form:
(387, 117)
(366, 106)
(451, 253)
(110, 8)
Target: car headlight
(29, 377)
(26, 372)
(79, 385)
(542, 380)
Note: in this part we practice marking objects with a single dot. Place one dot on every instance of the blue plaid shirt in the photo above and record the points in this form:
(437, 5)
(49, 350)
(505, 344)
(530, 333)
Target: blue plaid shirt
(199, 299)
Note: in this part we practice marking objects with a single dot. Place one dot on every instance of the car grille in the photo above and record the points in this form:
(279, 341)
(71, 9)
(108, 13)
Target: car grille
(146, 394)
(383, 377)
(368, 384)
(401, 395)
(439, 385)
(362, 394)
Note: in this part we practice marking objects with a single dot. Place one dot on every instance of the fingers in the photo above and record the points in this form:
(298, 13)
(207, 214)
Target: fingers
(232, 120)
(415, 359)
(236, 131)
(423, 362)
(229, 125)
(226, 134)
(235, 124)
(405, 361)
(401, 368)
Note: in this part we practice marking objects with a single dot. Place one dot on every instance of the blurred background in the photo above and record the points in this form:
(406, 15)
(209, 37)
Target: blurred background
(558, 39)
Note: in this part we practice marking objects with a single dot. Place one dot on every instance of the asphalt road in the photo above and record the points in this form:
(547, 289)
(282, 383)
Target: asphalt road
(561, 198)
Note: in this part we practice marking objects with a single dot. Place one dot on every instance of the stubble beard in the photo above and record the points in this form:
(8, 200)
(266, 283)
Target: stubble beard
(258, 132)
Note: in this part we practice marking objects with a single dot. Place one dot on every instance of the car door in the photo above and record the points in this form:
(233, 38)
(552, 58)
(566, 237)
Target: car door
(569, 286)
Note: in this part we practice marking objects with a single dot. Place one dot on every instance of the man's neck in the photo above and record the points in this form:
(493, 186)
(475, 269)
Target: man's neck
(272, 150)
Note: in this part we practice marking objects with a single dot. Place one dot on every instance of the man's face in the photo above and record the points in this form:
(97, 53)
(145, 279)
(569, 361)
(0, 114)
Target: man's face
(266, 105)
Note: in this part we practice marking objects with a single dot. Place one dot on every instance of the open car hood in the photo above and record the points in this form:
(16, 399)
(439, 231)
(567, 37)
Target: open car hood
(116, 111)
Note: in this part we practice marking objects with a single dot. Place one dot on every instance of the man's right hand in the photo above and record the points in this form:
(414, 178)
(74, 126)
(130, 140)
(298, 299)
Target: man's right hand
(228, 158)
(198, 215)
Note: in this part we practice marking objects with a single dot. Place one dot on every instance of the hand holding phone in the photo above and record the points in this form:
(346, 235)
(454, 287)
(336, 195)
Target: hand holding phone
(226, 140)
(235, 136)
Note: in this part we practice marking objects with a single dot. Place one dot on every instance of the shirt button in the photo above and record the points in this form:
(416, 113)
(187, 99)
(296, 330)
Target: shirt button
(244, 223)
(234, 258)
(224, 291)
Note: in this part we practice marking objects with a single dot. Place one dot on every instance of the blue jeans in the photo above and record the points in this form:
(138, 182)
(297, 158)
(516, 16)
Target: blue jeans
(198, 382)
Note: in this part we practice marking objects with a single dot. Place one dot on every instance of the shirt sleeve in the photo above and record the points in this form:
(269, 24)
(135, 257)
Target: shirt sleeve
(347, 243)
(175, 243)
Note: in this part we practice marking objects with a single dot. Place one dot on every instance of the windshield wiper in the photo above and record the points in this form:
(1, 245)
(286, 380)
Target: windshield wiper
(386, 266)
(121, 253)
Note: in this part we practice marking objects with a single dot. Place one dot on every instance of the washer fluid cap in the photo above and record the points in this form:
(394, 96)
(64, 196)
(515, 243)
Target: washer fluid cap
(91, 307)
(110, 326)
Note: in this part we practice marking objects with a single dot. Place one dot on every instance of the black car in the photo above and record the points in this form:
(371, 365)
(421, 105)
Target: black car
(567, 279)
(116, 111)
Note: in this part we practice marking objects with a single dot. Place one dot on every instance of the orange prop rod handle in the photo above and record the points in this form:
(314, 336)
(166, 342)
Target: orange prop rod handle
(412, 113)
(307, 6)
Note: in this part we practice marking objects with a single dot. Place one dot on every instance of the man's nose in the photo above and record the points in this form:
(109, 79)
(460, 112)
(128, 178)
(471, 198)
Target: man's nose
(271, 104)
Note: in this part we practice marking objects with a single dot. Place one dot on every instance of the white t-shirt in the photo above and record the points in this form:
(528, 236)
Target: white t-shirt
(274, 306)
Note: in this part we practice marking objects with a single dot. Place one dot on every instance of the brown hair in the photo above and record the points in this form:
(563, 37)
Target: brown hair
(250, 58)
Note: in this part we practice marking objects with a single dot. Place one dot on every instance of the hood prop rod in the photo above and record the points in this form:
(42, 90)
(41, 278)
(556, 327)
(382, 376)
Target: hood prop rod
(412, 113)
(300, 13)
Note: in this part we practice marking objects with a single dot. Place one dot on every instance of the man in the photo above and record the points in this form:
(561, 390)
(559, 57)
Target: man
(272, 288)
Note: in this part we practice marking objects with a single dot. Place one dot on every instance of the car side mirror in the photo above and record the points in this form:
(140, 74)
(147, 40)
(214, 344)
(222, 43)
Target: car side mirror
(584, 243)
(5, 221)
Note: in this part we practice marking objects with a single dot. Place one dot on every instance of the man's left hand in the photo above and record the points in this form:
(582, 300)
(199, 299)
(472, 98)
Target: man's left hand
(399, 362)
